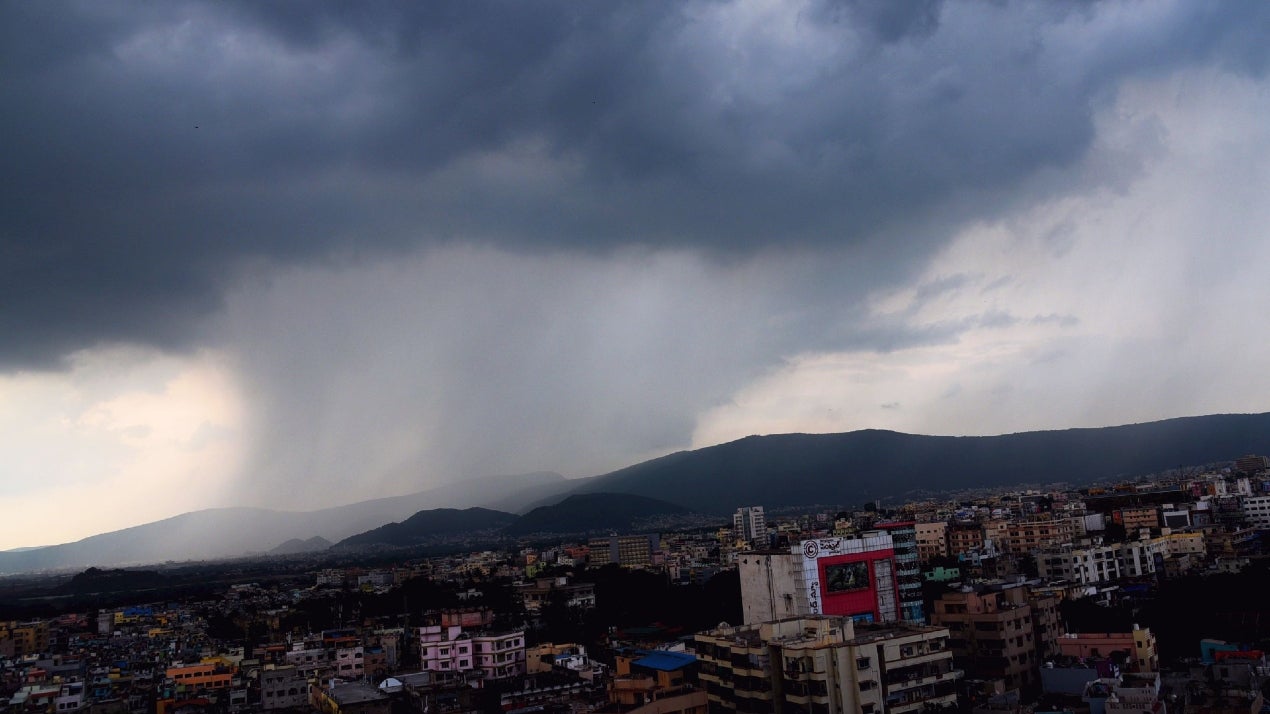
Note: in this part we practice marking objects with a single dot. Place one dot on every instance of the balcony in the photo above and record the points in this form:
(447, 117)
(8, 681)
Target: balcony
(907, 701)
(796, 675)
(922, 679)
(803, 699)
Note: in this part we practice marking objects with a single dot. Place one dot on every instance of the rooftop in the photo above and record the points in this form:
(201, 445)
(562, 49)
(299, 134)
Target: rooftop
(663, 661)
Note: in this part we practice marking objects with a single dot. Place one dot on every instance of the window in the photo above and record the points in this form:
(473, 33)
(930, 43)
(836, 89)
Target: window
(862, 663)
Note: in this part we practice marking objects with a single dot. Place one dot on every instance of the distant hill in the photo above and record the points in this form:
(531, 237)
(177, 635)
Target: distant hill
(429, 524)
(588, 512)
(232, 532)
(95, 580)
(860, 466)
(778, 470)
(296, 546)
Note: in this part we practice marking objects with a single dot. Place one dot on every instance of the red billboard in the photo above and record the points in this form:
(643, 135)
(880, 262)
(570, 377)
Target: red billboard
(850, 584)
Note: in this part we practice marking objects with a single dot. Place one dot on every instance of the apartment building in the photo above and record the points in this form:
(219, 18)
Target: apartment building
(750, 525)
(964, 538)
(283, 688)
(991, 634)
(500, 655)
(444, 648)
(826, 664)
(1257, 511)
(349, 662)
(932, 541)
(630, 551)
(475, 657)
(24, 638)
(1033, 534)
(1105, 563)
(1137, 517)
(1185, 544)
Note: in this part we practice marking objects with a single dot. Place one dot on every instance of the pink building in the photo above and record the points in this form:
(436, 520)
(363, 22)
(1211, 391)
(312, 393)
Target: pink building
(476, 656)
(500, 656)
(445, 648)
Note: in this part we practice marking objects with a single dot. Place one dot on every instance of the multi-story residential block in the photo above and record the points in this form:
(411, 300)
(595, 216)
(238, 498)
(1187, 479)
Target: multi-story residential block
(932, 540)
(630, 551)
(445, 649)
(1133, 518)
(992, 634)
(964, 538)
(749, 525)
(1033, 534)
(499, 656)
(349, 662)
(1080, 565)
(1047, 623)
(826, 664)
(1104, 563)
(24, 638)
(1231, 543)
(283, 688)
(1257, 511)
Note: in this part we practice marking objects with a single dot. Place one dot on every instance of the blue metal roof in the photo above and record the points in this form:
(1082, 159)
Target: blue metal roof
(665, 661)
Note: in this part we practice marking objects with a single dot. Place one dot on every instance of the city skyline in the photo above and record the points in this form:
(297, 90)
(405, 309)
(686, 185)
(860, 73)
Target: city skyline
(259, 257)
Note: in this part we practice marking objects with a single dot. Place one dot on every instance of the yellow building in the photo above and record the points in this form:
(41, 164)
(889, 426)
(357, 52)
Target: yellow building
(24, 638)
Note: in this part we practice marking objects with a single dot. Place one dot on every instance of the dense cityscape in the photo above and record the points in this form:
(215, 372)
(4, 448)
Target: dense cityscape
(1143, 596)
(690, 357)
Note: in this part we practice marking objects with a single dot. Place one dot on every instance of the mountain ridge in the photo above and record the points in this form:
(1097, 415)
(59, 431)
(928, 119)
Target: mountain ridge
(771, 470)
(858, 466)
(234, 531)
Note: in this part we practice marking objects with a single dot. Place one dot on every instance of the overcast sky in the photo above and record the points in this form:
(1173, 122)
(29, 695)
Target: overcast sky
(297, 254)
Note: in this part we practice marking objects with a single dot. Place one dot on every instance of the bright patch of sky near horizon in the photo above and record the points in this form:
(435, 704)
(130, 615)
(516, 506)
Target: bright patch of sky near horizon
(1122, 285)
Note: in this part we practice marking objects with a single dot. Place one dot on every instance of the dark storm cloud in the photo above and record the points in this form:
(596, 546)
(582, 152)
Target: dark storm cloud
(153, 150)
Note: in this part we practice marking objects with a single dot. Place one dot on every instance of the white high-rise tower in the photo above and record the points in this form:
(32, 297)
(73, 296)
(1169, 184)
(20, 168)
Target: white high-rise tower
(749, 524)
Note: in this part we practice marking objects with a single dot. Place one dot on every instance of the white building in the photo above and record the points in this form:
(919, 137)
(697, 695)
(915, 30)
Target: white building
(750, 525)
(772, 586)
(1102, 563)
(500, 656)
(1257, 511)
